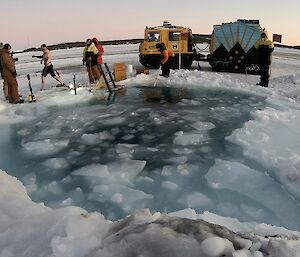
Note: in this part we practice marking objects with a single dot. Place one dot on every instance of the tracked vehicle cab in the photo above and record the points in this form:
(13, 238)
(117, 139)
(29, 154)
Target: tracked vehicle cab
(179, 39)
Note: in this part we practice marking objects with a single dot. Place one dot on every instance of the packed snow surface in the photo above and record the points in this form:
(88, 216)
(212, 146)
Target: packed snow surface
(197, 142)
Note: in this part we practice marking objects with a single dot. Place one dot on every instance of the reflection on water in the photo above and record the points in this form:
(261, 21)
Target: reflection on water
(164, 94)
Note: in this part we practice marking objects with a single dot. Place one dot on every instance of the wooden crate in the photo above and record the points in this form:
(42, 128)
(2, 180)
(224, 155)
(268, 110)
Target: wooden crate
(120, 71)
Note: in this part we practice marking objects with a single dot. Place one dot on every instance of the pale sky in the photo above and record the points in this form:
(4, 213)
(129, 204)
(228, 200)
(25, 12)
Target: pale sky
(29, 23)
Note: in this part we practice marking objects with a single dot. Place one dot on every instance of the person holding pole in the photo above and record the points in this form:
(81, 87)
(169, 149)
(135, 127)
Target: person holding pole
(167, 58)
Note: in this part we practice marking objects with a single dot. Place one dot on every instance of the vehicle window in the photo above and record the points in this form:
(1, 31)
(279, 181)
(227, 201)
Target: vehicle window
(174, 36)
(153, 36)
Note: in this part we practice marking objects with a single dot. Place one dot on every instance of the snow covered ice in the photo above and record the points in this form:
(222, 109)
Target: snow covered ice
(99, 171)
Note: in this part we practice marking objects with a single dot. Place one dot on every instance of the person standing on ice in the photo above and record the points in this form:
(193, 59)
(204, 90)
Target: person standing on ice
(5, 89)
(100, 50)
(10, 75)
(167, 58)
(265, 47)
(48, 66)
(90, 59)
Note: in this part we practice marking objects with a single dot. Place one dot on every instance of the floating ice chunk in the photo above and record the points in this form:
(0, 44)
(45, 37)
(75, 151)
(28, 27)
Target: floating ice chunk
(115, 131)
(186, 213)
(115, 121)
(117, 198)
(50, 132)
(179, 159)
(148, 137)
(124, 148)
(29, 179)
(190, 139)
(169, 185)
(206, 149)
(143, 110)
(216, 246)
(56, 163)
(31, 188)
(195, 199)
(126, 170)
(182, 150)
(178, 133)
(90, 139)
(200, 125)
(105, 135)
(128, 137)
(24, 132)
(183, 170)
(119, 194)
(93, 170)
(44, 147)
(168, 170)
(152, 149)
(54, 188)
(67, 202)
(260, 187)
(145, 179)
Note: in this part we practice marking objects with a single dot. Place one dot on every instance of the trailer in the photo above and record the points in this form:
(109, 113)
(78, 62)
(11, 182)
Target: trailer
(232, 46)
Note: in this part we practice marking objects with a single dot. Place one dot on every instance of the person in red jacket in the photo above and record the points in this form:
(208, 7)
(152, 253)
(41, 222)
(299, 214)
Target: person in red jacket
(100, 50)
(167, 58)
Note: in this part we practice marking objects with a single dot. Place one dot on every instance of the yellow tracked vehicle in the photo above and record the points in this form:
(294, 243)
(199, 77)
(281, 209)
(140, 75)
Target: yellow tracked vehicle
(179, 39)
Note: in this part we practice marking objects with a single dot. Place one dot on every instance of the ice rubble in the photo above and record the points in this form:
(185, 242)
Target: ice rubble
(28, 229)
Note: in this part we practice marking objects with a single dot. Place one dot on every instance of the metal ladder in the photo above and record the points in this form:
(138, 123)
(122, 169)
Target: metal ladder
(110, 87)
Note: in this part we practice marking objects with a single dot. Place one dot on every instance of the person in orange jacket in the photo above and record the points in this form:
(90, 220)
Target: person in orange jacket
(10, 74)
(100, 50)
(167, 58)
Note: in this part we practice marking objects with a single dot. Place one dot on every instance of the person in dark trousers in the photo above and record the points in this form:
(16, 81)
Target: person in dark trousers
(90, 56)
(10, 75)
(48, 67)
(167, 58)
(264, 47)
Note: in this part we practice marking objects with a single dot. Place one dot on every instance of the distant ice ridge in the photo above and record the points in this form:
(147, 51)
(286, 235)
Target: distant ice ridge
(29, 229)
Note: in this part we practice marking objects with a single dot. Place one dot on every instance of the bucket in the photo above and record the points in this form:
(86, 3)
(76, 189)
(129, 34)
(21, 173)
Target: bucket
(129, 68)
